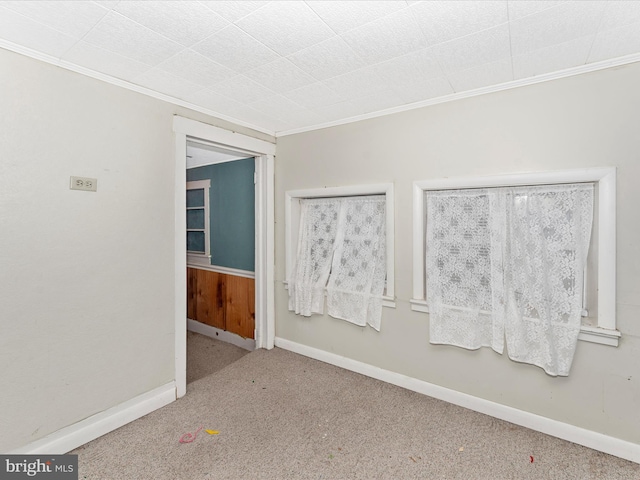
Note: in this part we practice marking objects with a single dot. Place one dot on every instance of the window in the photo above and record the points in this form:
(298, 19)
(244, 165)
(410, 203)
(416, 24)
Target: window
(598, 322)
(198, 241)
(336, 231)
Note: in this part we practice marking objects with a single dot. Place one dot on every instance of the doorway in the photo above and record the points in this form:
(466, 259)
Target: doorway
(189, 131)
(221, 244)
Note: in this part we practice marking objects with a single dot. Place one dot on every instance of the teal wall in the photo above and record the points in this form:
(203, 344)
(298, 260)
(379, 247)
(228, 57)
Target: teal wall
(232, 212)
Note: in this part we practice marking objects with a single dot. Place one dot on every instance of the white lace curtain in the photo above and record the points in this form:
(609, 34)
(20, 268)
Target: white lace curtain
(341, 247)
(508, 263)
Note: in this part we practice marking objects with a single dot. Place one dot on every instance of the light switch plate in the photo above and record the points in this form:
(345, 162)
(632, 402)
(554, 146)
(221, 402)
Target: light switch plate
(84, 183)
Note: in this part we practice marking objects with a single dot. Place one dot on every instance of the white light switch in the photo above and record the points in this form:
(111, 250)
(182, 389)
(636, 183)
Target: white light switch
(84, 183)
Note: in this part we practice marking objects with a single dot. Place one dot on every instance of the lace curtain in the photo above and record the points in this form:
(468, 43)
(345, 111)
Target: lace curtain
(356, 284)
(316, 241)
(341, 246)
(507, 263)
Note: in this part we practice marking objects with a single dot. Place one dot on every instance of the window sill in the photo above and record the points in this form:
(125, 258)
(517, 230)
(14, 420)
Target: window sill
(419, 305)
(387, 301)
(198, 259)
(599, 335)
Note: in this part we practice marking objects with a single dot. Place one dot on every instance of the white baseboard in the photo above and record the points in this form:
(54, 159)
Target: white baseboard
(68, 438)
(222, 335)
(597, 441)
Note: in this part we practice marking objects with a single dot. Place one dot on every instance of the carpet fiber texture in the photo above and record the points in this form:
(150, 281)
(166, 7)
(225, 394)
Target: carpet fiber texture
(206, 355)
(284, 416)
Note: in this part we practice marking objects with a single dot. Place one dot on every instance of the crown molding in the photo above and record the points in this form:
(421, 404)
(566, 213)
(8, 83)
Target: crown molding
(124, 84)
(569, 72)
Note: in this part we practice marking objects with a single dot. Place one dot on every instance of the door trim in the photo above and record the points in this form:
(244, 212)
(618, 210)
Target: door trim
(185, 128)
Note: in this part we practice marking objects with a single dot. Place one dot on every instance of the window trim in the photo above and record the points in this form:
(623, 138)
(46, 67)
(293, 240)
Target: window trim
(605, 332)
(195, 258)
(292, 224)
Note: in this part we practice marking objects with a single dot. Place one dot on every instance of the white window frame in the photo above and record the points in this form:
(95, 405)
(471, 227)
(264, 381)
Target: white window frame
(292, 225)
(194, 258)
(605, 332)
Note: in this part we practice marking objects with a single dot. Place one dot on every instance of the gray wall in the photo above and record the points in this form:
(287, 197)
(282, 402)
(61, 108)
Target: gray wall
(86, 279)
(584, 121)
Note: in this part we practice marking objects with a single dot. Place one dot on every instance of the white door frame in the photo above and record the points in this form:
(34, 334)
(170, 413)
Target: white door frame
(263, 152)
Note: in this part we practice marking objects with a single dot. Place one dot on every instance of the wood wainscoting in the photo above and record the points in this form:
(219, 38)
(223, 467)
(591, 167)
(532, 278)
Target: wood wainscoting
(221, 300)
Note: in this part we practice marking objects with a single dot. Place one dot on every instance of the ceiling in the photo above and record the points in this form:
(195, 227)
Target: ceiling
(287, 66)
(199, 154)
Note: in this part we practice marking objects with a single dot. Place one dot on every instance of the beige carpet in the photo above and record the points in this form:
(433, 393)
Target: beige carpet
(284, 416)
(206, 355)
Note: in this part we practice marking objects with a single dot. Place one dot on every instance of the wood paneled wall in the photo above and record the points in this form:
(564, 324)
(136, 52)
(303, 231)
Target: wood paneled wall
(223, 301)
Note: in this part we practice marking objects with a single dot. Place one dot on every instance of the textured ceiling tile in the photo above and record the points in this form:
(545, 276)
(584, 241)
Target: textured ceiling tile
(315, 95)
(130, 39)
(183, 22)
(357, 83)
(23, 31)
(303, 118)
(445, 20)
(345, 16)
(196, 68)
(166, 83)
(417, 89)
(522, 8)
(328, 59)
(555, 25)
(392, 36)
(104, 61)
(277, 106)
(286, 27)
(557, 57)
(255, 117)
(211, 100)
(420, 64)
(242, 89)
(382, 58)
(381, 100)
(108, 4)
(71, 18)
(280, 76)
(493, 73)
(310, 119)
(618, 14)
(473, 50)
(616, 42)
(233, 10)
(235, 49)
(337, 111)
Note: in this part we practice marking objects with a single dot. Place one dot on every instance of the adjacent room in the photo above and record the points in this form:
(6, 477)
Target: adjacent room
(311, 239)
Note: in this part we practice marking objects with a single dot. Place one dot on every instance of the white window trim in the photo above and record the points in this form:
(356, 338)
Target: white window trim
(605, 332)
(292, 224)
(202, 258)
